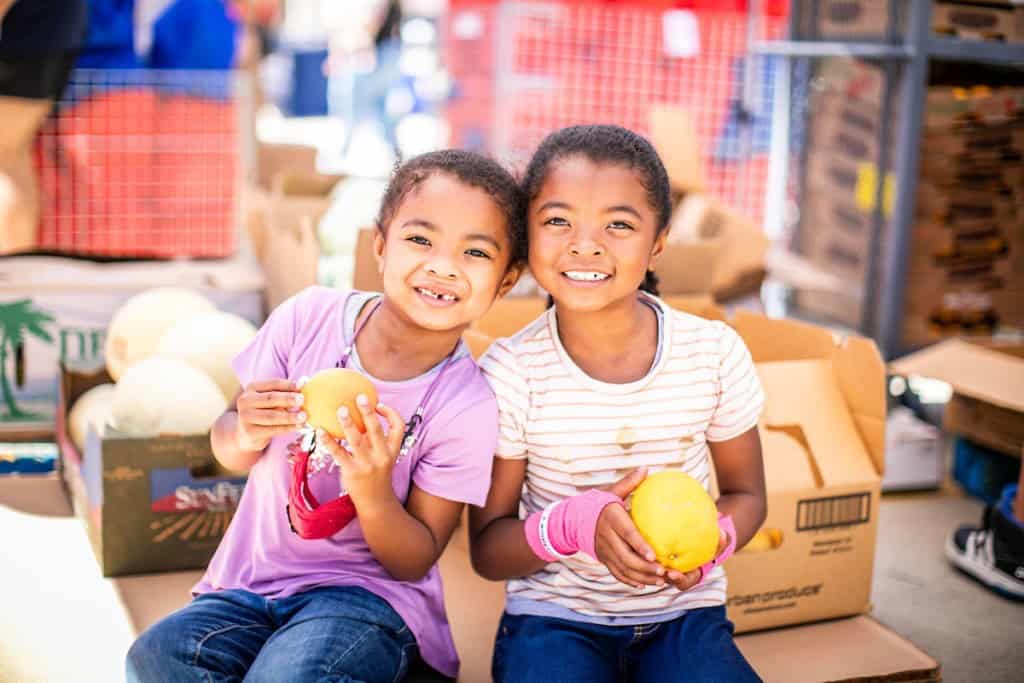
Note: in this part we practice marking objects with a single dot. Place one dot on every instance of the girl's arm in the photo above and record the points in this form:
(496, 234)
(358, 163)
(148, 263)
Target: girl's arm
(406, 539)
(409, 540)
(740, 473)
(497, 539)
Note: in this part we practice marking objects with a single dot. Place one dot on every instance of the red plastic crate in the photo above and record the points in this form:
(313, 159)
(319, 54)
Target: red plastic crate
(141, 164)
(522, 70)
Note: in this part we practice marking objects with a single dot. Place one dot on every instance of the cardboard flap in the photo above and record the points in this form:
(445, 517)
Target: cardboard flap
(860, 371)
(806, 394)
(742, 244)
(982, 373)
(366, 275)
(857, 649)
(674, 136)
(687, 268)
(291, 262)
(787, 463)
(771, 339)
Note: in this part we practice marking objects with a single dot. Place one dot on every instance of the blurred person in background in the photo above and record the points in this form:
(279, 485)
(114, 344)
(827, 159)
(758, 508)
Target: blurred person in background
(39, 40)
(363, 64)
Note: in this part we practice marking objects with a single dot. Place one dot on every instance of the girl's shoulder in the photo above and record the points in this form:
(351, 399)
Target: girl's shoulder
(526, 347)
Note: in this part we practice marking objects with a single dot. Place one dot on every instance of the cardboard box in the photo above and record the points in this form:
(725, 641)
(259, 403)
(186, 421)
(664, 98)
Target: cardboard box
(823, 439)
(839, 308)
(273, 159)
(976, 22)
(845, 125)
(149, 505)
(987, 404)
(739, 264)
(69, 306)
(847, 18)
(853, 79)
(291, 199)
(674, 136)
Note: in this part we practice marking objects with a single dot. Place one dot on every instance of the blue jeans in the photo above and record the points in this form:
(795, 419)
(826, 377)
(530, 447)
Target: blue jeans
(335, 634)
(697, 647)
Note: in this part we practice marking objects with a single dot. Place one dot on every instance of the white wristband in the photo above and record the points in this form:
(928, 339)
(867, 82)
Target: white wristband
(542, 531)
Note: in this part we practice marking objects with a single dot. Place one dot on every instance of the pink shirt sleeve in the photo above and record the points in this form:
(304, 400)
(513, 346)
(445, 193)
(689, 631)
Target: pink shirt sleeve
(266, 356)
(740, 396)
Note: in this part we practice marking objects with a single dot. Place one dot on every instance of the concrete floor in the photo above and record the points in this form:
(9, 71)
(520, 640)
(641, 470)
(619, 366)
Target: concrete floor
(63, 622)
(977, 636)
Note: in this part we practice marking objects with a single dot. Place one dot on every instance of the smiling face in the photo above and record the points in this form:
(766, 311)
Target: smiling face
(593, 234)
(444, 256)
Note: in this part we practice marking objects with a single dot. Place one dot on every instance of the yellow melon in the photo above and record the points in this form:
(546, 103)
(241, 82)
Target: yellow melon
(329, 390)
(678, 518)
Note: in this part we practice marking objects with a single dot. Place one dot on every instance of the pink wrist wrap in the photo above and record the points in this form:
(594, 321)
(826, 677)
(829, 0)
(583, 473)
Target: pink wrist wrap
(568, 526)
(725, 523)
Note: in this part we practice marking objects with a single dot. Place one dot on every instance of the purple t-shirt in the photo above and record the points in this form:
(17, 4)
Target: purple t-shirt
(452, 459)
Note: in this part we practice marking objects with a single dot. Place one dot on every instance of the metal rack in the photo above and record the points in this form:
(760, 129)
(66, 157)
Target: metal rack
(906, 54)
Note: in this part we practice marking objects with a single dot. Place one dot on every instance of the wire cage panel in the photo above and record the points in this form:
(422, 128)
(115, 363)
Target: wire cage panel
(141, 164)
(524, 69)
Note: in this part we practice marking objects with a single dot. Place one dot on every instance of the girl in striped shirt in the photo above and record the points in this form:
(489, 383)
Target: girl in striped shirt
(608, 385)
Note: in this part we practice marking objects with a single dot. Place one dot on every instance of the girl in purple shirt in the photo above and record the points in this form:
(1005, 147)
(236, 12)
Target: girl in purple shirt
(283, 600)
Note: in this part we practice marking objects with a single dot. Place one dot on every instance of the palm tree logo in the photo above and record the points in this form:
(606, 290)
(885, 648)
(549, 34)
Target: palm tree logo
(18, 320)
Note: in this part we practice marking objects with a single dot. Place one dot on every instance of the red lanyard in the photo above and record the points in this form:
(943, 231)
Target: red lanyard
(306, 516)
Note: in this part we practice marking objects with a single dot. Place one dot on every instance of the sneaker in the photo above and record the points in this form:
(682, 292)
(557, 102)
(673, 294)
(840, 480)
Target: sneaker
(992, 554)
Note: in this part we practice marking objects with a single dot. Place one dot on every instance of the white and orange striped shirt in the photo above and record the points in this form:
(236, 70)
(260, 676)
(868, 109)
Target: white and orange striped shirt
(577, 433)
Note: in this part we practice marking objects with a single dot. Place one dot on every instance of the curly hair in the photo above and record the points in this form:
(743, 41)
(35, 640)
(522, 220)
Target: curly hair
(471, 169)
(603, 144)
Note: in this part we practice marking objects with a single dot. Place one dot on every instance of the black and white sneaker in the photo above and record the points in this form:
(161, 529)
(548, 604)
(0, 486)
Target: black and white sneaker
(993, 554)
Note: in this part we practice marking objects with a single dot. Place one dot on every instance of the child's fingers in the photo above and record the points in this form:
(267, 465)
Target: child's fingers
(638, 571)
(396, 427)
(374, 433)
(684, 582)
(626, 529)
(271, 399)
(262, 386)
(273, 418)
(623, 487)
(331, 446)
(356, 442)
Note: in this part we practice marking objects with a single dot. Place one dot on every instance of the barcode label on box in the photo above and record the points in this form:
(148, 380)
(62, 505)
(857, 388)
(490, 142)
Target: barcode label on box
(826, 513)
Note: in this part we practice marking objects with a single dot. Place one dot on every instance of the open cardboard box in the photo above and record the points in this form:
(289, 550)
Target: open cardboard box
(823, 439)
(988, 389)
(149, 504)
(739, 266)
(282, 227)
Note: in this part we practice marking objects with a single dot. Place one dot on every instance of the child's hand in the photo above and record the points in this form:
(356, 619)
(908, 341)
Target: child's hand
(685, 582)
(620, 546)
(369, 458)
(266, 409)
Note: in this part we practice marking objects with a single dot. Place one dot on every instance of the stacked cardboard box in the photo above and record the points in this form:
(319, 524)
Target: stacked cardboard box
(967, 256)
(841, 185)
(985, 20)
(966, 270)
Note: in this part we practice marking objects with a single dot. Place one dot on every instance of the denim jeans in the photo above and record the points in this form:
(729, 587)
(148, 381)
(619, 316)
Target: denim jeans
(335, 634)
(696, 647)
